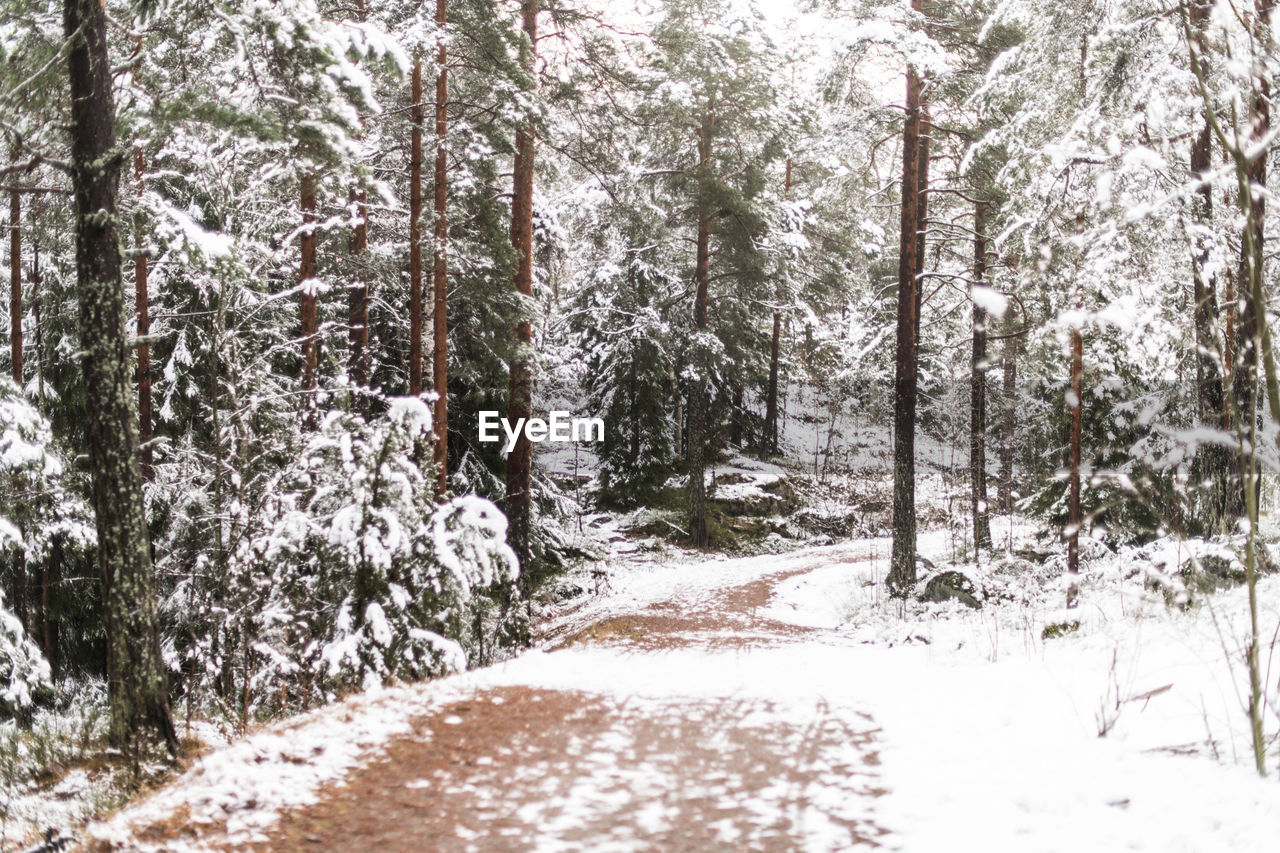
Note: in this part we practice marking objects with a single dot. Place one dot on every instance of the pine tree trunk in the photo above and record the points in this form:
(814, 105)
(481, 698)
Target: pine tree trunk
(48, 605)
(1213, 462)
(922, 214)
(306, 278)
(520, 390)
(902, 569)
(415, 232)
(1246, 352)
(358, 305)
(1008, 417)
(440, 276)
(15, 285)
(142, 302)
(1076, 406)
(37, 310)
(633, 394)
(137, 680)
(978, 390)
(358, 291)
(769, 444)
(699, 396)
(769, 441)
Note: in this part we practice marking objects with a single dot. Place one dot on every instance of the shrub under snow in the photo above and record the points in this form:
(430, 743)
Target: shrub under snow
(356, 577)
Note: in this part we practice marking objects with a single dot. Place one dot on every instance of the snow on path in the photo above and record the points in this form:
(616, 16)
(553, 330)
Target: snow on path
(671, 745)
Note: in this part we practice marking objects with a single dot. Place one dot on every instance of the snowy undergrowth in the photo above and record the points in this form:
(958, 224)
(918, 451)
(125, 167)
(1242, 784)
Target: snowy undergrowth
(1141, 670)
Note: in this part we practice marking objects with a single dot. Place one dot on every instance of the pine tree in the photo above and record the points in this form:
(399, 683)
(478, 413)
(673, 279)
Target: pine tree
(138, 681)
(519, 500)
(902, 570)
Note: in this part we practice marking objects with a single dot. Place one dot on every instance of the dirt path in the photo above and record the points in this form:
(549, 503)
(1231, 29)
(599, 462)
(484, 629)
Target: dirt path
(516, 768)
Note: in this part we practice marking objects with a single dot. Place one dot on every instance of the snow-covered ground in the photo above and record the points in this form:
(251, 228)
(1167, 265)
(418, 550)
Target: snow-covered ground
(1126, 735)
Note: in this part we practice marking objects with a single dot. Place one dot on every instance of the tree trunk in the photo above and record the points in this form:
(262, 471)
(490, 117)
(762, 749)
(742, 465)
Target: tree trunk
(1075, 403)
(520, 389)
(1213, 461)
(440, 267)
(142, 301)
(358, 306)
(49, 605)
(698, 398)
(1246, 370)
(769, 441)
(415, 232)
(902, 569)
(1008, 417)
(633, 388)
(307, 279)
(15, 285)
(37, 309)
(978, 390)
(922, 213)
(137, 680)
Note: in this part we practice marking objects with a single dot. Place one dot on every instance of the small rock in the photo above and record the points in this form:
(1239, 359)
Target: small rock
(952, 586)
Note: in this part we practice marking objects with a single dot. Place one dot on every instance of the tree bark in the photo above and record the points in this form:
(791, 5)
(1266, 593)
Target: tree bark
(902, 568)
(358, 306)
(142, 302)
(1246, 367)
(1213, 462)
(307, 278)
(1008, 417)
(520, 389)
(15, 285)
(358, 292)
(440, 263)
(922, 211)
(769, 441)
(978, 390)
(699, 396)
(37, 310)
(415, 232)
(137, 680)
(1075, 404)
(770, 438)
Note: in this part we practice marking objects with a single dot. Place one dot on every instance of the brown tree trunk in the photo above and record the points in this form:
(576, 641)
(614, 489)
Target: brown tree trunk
(306, 277)
(440, 265)
(358, 292)
(770, 439)
(1074, 519)
(699, 395)
(1246, 366)
(520, 391)
(142, 301)
(922, 212)
(1008, 417)
(1213, 462)
(415, 232)
(902, 569)
(358, 305)
(137, 680)
(15, 285)
(49, 633)
(37, 309)
(978, 390)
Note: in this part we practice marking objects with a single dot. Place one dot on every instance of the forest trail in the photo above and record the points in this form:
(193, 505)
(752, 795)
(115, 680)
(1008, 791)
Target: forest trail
(529, 766)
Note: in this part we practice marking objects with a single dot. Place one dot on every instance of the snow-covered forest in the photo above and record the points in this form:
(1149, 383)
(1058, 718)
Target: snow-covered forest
(933, 500)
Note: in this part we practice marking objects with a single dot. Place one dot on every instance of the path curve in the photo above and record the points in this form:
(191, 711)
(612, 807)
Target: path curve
(516, 768)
